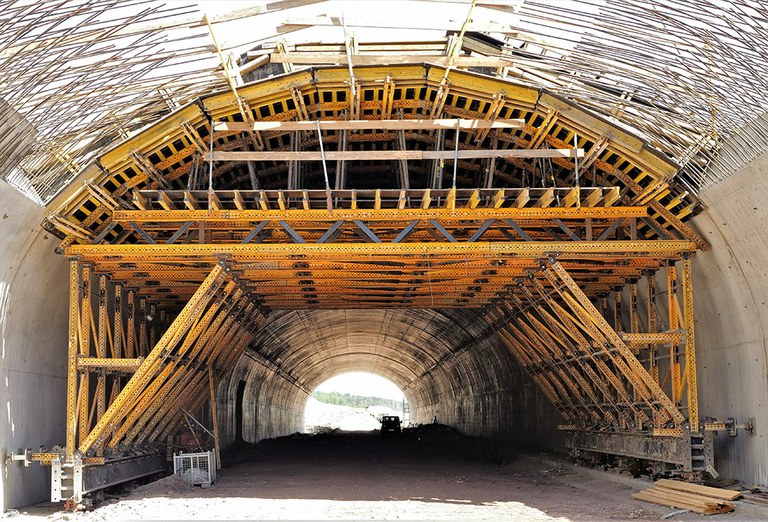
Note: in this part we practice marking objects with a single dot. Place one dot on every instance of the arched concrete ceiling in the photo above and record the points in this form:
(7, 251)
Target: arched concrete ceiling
(401, 345)
(450, 364)
(76, 78)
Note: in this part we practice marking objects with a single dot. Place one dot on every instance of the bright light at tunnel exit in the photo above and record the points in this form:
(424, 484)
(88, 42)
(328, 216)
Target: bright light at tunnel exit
(320, 415)
(362, 383)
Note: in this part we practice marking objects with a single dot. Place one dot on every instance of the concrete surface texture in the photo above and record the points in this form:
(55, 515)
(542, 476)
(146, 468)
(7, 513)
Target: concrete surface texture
(731, 310)
(33, 337)
(450, 365)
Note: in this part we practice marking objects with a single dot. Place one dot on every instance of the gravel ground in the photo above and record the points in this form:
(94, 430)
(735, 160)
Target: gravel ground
(428, 474)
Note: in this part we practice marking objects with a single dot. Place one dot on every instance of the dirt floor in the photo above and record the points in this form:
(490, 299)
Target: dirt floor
(432, 473)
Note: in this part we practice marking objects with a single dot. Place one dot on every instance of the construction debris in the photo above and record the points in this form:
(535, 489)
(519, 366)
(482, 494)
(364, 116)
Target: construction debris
(693, 497)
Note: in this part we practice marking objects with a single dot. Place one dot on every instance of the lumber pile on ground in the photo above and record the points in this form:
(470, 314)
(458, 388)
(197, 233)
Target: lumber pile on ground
(699, 499)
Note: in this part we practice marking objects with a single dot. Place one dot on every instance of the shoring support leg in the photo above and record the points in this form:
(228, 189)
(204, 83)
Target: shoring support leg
(214, 417)
(569, 338)
(674, 324)
(85, 349)
(195, 398)
(72, 352)
(571, 352)
(150, 366)
(690, 346)
(156, 392)
(525, 360)
(653, 351)
(569, 324)
(207, 333)
(546, 347)
(640, 377)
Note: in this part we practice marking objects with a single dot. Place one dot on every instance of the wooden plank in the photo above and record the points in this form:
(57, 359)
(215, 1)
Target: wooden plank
(239, 201)
(426, 199)
(663, 501)
(546, 199)
(190, 201)
(572, 198)
(474, 199)
(685, 496)
(139, 200)
(611, 197)
(388, 155)
(307, 58)
(213, 202)
(756, 499)
(523, 198)
(498, 198)
(720, 493)
(165, 201)
(338, 125)
(594, 197)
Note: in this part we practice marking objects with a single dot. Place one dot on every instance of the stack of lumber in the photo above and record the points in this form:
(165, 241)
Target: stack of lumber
(682, 495)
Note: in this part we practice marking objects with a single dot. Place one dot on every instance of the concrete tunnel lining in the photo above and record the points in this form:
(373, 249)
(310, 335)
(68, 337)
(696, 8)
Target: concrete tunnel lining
(466, 378)
(449, 364)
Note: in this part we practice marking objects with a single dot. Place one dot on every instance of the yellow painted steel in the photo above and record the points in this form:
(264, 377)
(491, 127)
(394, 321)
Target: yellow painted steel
(188, 294)
(580, 363)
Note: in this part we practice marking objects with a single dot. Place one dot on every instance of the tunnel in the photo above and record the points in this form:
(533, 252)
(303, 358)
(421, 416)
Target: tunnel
(429, 355)
(545, 241)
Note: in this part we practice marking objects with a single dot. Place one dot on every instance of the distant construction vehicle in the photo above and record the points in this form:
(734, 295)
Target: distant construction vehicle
(390, 424)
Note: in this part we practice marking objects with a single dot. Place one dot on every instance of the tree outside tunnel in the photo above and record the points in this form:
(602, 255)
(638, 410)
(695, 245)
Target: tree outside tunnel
(353, 401)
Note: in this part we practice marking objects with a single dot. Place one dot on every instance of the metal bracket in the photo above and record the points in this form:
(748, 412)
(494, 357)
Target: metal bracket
(731, 427)
(24, 457)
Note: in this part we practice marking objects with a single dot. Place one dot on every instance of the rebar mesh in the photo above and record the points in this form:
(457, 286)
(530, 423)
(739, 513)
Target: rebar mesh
(686, 75)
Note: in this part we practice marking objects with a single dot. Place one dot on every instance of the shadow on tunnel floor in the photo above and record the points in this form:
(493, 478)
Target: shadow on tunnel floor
(426, 442)
(429, 472)
(429, 463)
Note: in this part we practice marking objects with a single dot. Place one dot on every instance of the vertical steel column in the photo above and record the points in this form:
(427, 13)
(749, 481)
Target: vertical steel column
(130, 337)
(101, 349)
(214, 416)
(85, 349)
(154, 321)
(674, 324)
(119, 331)
(690, 346)
(142, 327)
(72, 352)
(653, 351)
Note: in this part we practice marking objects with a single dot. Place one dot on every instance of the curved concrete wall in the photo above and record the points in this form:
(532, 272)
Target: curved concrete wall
(731, 310)
(449, 364)
(33, 344)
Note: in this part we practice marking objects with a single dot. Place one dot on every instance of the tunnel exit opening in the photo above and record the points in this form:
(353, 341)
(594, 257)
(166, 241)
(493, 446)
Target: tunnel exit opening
(354, 401)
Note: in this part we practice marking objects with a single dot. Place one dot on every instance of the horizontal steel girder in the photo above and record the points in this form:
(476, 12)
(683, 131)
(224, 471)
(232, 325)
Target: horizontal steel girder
(672, 450)
(382, 215)
(566, 250)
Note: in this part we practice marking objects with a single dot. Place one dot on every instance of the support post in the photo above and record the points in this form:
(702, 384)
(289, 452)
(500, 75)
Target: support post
(690, 346)
(85, 349)
(72, 352)
(214, 417)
